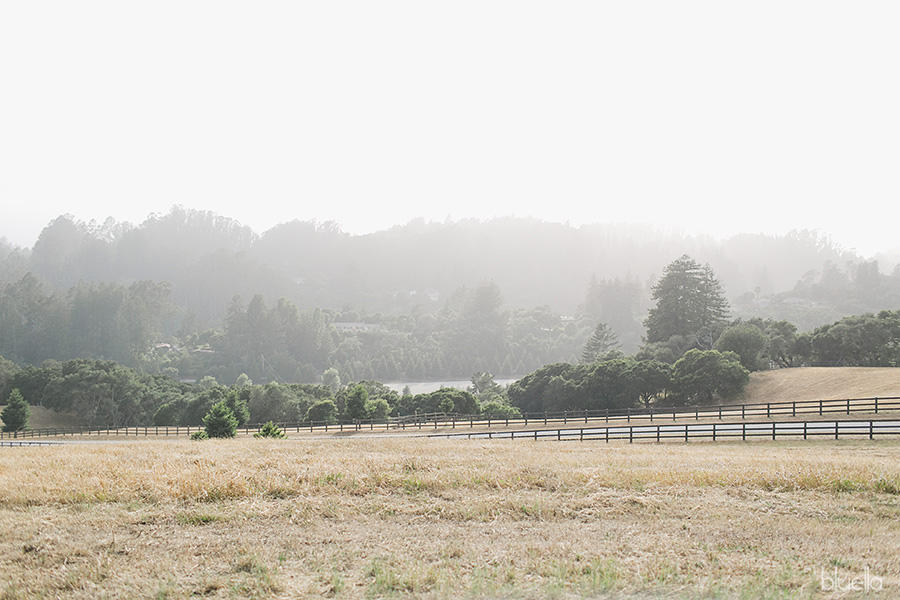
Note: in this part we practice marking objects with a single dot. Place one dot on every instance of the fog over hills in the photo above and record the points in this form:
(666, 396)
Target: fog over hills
(197, 294)
(417, 267)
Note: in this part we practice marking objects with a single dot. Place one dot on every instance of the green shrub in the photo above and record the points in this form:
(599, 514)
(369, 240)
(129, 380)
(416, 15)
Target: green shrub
(220, 422)
(501, 410)
(270, 430)
(198, 436)
(17, 412)
(323, 411)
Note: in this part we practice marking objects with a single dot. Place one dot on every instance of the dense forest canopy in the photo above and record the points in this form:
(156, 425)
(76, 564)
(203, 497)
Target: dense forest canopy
(171, 321)
(418, 265)
(192, 294)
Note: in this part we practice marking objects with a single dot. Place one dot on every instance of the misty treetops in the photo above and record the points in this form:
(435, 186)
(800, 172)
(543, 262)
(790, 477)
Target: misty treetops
(690, 303)
(188, 296)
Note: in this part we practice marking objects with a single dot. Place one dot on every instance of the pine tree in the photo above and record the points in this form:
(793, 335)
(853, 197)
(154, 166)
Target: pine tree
(220, 422)
(356, 403)
(270, 430)
(16, 414)
(602, 341)
(689, 303)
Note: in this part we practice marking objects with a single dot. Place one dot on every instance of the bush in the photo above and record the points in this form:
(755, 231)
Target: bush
(270, 430)
(220, 422)
(198, 436)
(500, 409)
(378, 409)
(323, 411)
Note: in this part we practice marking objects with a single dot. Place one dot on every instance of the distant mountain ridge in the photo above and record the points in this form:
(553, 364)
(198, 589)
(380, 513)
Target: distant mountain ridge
(418, 267)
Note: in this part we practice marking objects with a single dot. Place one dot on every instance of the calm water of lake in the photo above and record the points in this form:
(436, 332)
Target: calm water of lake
(423, 387)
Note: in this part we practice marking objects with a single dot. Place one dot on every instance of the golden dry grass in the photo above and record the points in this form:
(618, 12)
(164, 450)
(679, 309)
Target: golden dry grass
(822, 383)
(446, 519)
(44, 417)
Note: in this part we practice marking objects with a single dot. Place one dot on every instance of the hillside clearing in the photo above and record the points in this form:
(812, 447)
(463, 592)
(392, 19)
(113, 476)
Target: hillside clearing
(822, 383)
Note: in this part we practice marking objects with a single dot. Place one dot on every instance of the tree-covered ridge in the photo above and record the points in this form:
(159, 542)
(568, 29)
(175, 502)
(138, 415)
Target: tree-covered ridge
(703, 359)
(208, 259)
(280, 342)
(474, 330)
(101, 314)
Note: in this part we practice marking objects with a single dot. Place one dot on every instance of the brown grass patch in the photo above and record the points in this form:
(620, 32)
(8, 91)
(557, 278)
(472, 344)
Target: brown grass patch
(822, 383)
(42, 418)
(436, 518)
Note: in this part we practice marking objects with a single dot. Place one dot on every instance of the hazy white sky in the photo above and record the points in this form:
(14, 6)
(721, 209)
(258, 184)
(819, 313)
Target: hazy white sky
(714, 116)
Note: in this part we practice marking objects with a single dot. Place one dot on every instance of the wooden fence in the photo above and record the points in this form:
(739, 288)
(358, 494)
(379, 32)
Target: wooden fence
(699, 431)
(721, 412)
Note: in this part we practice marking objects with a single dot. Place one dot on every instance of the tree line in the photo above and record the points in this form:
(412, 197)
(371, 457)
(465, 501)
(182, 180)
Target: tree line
(207, 259)
(474, 331)
(279, 342)
(693, 353)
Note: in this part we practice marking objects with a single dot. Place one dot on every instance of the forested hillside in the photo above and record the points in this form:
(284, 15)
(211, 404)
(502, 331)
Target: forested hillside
(193, 293)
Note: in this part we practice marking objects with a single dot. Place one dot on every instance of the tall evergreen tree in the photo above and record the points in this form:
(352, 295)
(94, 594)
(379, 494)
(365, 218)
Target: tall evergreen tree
(356, 403)
(17, 412)
(601, 341)
(689, 303)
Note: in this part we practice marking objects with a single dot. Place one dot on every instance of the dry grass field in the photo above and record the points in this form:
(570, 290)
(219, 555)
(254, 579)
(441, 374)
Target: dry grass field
(822, 383)
(430, 518)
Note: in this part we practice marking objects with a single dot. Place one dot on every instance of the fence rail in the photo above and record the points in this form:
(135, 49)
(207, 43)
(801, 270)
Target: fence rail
(26, 443)
(721, 412)
(699, 431)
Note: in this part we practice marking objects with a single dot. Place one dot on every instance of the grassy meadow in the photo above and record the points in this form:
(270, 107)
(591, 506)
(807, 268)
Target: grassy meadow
(431, 518)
